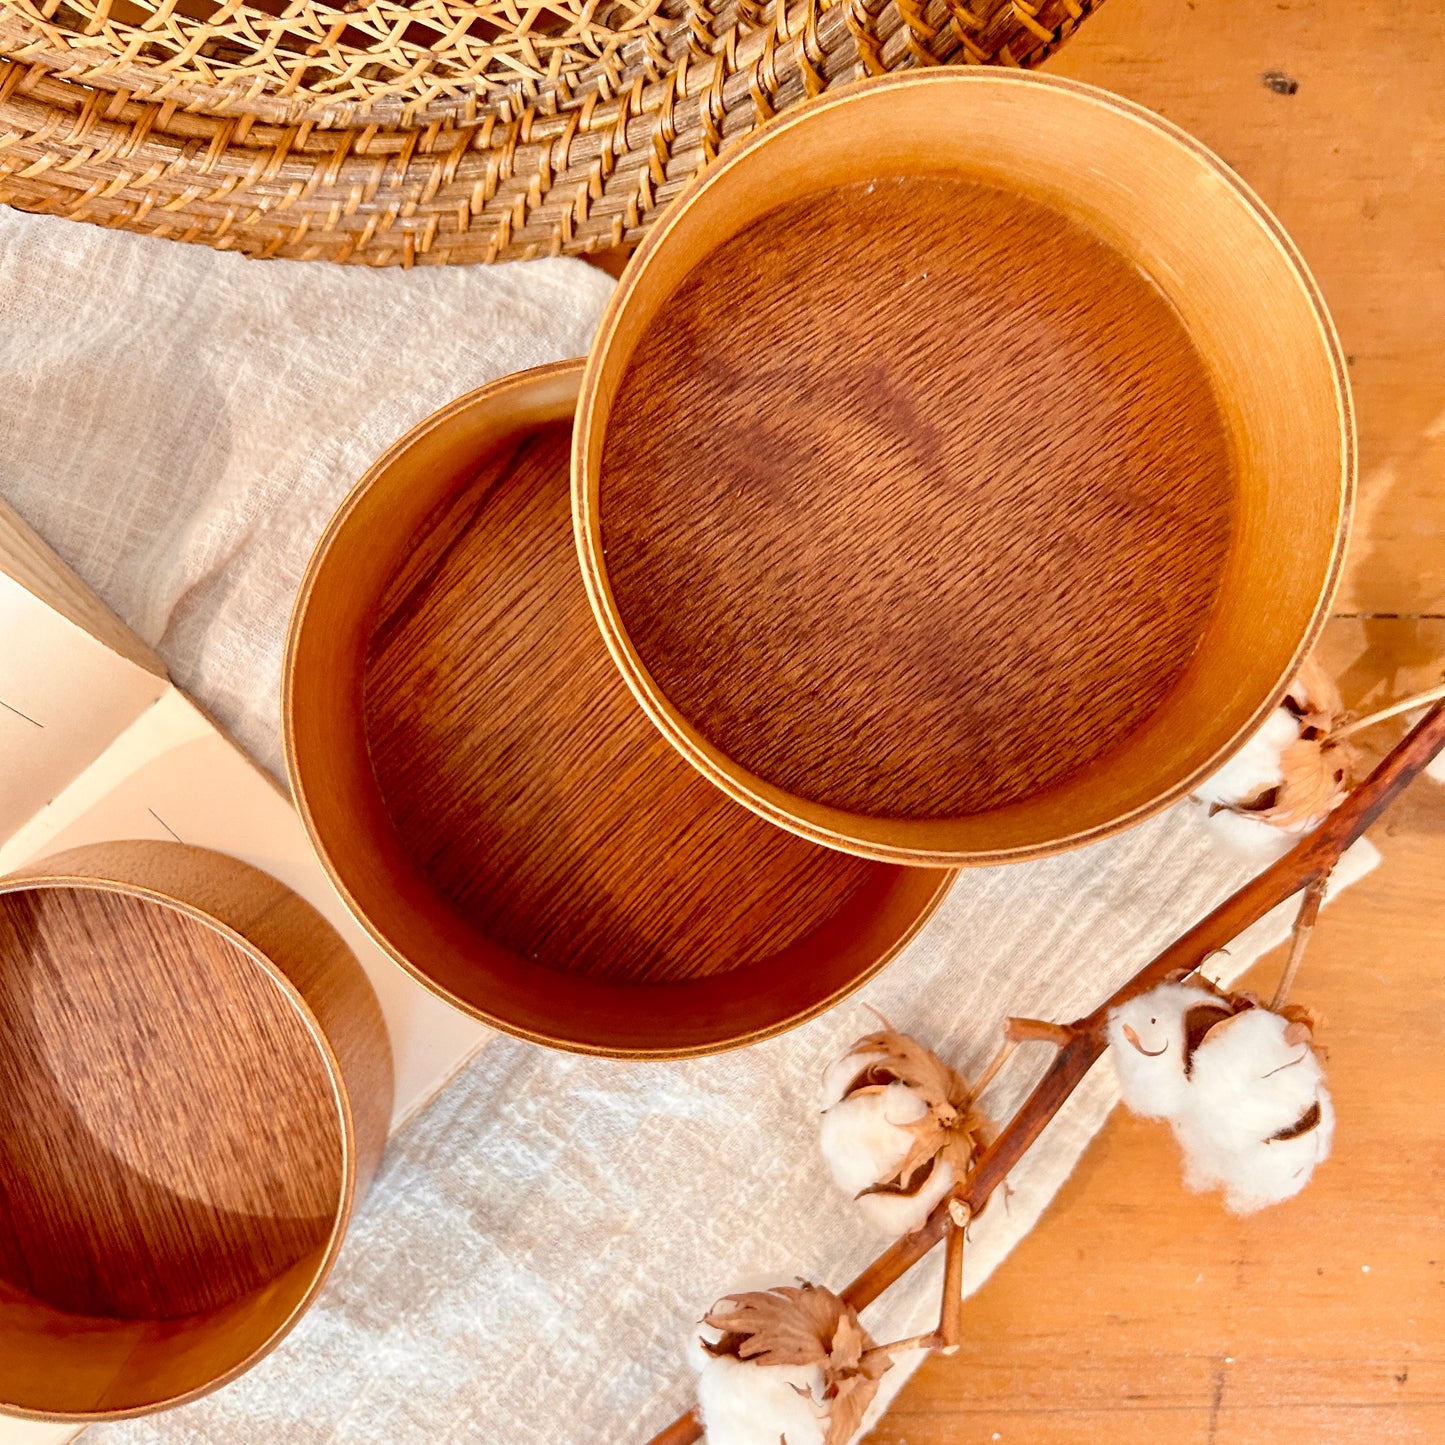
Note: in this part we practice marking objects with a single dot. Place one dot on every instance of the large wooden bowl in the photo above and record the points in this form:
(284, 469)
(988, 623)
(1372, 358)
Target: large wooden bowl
(195, 1083)
(494, 805)
(981, 536)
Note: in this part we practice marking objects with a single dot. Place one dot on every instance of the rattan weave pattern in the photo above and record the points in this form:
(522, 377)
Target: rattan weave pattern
(492, 169)
(285, 59)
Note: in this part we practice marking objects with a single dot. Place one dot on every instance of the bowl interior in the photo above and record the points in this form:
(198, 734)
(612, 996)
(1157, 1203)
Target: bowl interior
(494, 802)
(962, 467)
(171, 1150)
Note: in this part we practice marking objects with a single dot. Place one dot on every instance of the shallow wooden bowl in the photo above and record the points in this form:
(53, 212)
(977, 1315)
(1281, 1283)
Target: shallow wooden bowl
(963, 467)
(195, 1083)
(496, 808)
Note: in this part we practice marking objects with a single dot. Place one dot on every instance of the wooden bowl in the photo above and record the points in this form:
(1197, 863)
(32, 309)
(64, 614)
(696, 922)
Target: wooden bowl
(493, 804)
(195, 1083)
(963, 467)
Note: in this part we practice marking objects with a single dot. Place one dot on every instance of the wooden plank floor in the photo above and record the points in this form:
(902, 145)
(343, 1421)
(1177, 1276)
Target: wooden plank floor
(1136, 1312)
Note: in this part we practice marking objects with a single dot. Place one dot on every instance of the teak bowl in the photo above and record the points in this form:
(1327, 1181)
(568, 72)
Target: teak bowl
(963, 467)
(195, 1083)
(493, 804)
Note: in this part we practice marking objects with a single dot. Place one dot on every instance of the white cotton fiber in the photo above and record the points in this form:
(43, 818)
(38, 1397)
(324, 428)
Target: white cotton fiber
(1285, 780)
(742, 1403)
(864, 1138)
(1254, 1173)
(1250, 1084)
(864, 1141)
(1146, 1036)
(841, 1075)
(1252, 839)
(1249, 1081)
(1256, 766)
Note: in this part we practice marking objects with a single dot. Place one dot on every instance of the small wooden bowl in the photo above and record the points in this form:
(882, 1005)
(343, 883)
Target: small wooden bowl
(963, 467)
(496, 808)
(195, 1083)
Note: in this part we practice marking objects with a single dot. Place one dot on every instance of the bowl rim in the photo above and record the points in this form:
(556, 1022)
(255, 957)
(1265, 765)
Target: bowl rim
(482, 396)
(41, 877)
(739, 782)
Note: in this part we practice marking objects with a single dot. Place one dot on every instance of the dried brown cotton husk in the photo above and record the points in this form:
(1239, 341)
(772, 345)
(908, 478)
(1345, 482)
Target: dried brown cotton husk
(1289, 776)
(899, 1128)
(788, 1363)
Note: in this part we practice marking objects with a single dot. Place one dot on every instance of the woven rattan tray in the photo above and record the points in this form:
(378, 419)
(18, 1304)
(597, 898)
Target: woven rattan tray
(392, 132)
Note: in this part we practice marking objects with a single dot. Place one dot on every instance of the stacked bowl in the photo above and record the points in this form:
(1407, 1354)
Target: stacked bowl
(960, 473)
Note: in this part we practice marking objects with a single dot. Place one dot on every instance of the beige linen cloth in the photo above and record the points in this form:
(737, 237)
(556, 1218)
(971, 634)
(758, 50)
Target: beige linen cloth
(179, 425)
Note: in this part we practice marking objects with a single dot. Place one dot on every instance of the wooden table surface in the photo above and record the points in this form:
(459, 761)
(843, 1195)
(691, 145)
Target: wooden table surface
(1136, 1312)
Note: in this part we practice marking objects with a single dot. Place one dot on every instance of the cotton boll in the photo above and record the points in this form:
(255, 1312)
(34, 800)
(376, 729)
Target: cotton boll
(1149, 1044)
(840, 1076)
(899, 1128)
(1257, 1118)
(1250, 1080)
(864, 1140)
(742, 1403)
(746, 1404)
(1255, 768)
(1258, 1172)
(1252, 839)
(1242, 1087)
(892, 1215)
(1288, 777)
(789, 1363)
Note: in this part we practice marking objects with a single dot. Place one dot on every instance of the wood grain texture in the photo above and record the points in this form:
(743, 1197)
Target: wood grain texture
(29, 561)
(1206, 1330)
(149, 1168)
(486, 794)
(529, 785)
(1350, 163)
(769, 446)
(1318, 1320)
(194, 1080)
(1179, 1322)
(930, 541)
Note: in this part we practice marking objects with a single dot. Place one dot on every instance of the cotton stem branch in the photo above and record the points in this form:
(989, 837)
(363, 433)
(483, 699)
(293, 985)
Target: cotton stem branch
(1304, 924)
(949, 1332)
(1036, 1031)
(683, 1431)
(1016, 1032)
(1307, 863)
(1404, 704)
(950, 1316)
